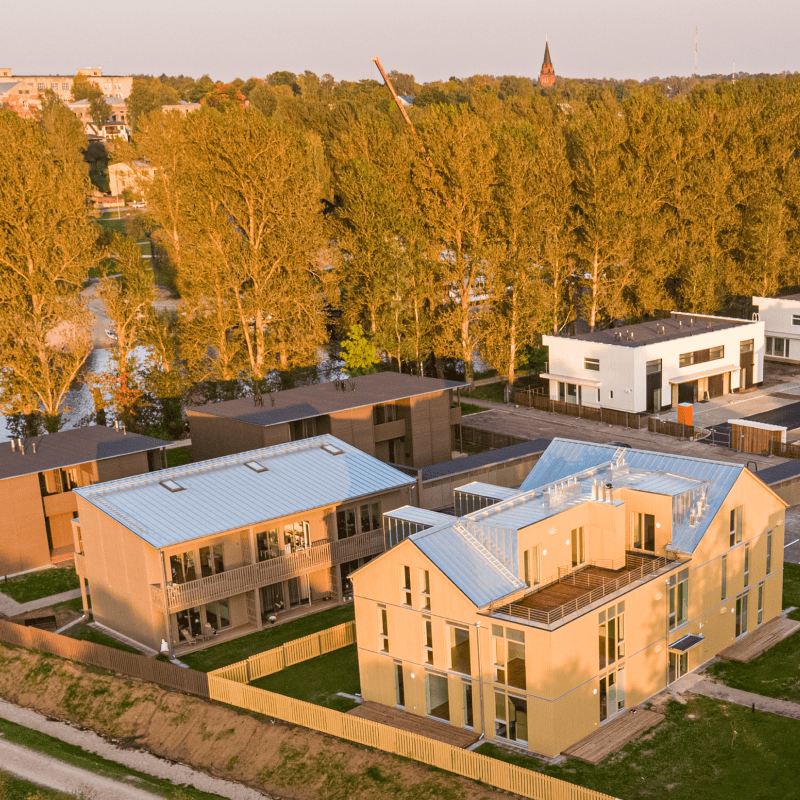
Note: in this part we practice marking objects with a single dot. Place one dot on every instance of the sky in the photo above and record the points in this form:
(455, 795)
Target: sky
(432, 39)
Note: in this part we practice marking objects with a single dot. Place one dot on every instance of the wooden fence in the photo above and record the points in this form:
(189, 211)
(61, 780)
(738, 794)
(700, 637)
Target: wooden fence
(610, 416)
(137, 666)
(790, 450)
(656, 425)
(480, 438)
(278, 658)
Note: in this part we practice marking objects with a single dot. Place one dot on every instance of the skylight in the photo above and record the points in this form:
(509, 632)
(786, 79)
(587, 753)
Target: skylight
(171, 485)
(332, 449)
(256, 466)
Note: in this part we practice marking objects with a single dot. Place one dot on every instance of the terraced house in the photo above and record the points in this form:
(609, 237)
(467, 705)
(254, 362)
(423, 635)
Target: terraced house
(538, 615)
(224, 547)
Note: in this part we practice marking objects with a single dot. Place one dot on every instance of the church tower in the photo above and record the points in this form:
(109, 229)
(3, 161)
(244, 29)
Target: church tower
(547, 77)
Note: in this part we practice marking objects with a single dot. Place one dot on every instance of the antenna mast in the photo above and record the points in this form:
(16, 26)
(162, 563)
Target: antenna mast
(695, 51)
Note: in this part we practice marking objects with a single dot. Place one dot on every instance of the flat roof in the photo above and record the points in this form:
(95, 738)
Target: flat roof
(499, 456)
(677, 326)
(324, 398)
(72, 447)
(211, 497)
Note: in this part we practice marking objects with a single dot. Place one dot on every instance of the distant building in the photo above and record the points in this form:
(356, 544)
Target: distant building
(184, 107)
(124, 176)
(36, 482)
(115, 127)
(781, 318)
(654, 365)
(400, 419)
(547, 77)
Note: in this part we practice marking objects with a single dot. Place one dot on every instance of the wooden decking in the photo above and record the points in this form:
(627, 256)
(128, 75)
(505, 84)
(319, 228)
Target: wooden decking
(760, 640)
(556, 594)
(613, 735)
(441, 731)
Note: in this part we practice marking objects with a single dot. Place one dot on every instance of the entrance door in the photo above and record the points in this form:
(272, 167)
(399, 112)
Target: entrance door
(654, 392)
(741, 615)
(687, 392)
(715, 386)
(746, 370)
(678, 666)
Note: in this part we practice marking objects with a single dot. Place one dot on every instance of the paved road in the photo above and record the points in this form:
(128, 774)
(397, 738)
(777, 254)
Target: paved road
(51, 773)
(140, 760)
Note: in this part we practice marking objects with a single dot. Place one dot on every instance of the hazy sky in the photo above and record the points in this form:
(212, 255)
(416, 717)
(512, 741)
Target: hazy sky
(432, 39)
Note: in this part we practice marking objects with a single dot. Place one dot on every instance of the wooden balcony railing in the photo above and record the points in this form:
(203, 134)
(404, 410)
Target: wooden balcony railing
(262, 573)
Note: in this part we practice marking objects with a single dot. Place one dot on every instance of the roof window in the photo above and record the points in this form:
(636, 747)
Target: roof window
(332, 449)
(256, 466)
(171, 485)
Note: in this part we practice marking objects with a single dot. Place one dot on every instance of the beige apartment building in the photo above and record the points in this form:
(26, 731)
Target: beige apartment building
(221, 548)
(539, 615)
(400, 419)
(37, 479)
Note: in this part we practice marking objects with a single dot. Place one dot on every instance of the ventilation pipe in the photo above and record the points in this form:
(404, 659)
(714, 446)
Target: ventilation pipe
(13, 445)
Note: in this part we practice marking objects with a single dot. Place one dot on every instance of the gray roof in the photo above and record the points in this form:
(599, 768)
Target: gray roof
(678, 326)
(499, 456)
(7, 86)
(780, 472)
(224, 493)
(488, 490)
(420, 516)
(323, 398)
(72, 447)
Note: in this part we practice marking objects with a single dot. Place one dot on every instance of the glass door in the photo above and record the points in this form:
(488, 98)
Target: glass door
(741, 615)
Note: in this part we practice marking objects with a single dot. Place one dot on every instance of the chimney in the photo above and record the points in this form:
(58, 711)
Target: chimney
(33, 448)
(13, 445)
(608, 492)
(122, 426)
(594, 489)
(116, 425)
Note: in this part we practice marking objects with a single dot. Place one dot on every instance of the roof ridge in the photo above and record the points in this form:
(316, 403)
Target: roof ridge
(465, 533)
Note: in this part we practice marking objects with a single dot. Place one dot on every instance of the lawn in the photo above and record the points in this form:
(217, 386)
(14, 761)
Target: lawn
(775, 673)
(76, 604)
(72, 754)
(489, 391)
(12, 788)
(86, 634)
(319, 679)
(178, 456)
(706, 749)
(239, 649)
(44, 583)
(468, 408)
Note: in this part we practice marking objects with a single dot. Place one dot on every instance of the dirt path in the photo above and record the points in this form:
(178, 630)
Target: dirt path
(134, 759)
(54, 774)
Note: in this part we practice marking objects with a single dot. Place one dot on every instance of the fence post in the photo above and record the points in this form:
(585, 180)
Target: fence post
(247, 670)
(319, 641)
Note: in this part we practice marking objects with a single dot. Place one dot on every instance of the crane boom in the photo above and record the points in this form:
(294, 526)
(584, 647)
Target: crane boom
(397, 99)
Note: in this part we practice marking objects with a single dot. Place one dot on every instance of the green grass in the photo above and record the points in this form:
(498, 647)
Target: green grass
(72, 754)
(12, 788)
(239, 649)
(112, 223)
(92, 635)
(775, 673)
(706, 749)
(468, 408)
(36, 585)
(319, 679)
(491, 391)
(76, 604)
(178, 456)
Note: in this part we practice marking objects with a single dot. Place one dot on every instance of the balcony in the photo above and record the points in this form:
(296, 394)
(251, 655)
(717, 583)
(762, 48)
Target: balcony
(263, 573)
(580, 589)
(455, 415)
(390, 430)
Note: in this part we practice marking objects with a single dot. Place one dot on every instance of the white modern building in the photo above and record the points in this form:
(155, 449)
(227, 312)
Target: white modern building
(781, 318)
(655, 365)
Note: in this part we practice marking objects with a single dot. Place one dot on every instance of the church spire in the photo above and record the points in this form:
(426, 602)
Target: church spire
(547, 76)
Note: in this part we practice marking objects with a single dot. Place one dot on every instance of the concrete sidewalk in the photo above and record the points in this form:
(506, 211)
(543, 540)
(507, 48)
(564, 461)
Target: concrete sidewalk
(11, 608)
(719, 691)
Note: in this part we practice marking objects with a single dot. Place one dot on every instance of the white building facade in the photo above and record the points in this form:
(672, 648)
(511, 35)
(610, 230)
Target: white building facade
(656, 365)
(781, 318)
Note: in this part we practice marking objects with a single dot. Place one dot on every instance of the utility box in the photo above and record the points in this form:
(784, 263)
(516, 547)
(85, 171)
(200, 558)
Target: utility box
(685, 414)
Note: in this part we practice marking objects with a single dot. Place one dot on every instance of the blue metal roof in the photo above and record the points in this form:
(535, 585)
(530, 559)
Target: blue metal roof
(224, 493)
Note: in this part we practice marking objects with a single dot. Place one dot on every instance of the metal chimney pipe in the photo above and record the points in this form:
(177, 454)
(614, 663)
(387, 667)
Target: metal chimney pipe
(33, 447)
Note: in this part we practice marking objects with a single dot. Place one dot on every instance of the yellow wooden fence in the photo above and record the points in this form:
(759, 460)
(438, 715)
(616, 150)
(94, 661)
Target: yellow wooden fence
(278, 658)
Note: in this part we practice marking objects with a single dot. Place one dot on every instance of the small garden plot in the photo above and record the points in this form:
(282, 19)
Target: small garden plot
(45, 583)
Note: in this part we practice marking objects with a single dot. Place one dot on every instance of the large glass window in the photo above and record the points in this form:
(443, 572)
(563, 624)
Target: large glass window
(532, 565)
(407, 586)
(387, 412)
(427, 640)
(736, 525)
(218, 614)
(578, 547)
(399, 685)
(268, 545)
(701, 356)
(509, 655)
(370, 517)
(212, 560)
(569, 393)
(383, 629)
(460, 659)
(679, 599)
(611, 638)
(511, 717)
(425, 589)
(644, 535)
(776, 346)
(469, 721)
(296, 536)
(182, 567)
(437, 700)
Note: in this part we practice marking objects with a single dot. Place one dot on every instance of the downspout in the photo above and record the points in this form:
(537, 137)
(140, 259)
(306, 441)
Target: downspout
(480, 677)
(166, 604)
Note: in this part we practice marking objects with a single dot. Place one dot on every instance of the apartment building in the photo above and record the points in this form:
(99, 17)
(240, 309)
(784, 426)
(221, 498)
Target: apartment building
(221, 548)
(37, 479)
(399, 419)
(781, 318)
(539, 615)
(131, 176)
(656, 365)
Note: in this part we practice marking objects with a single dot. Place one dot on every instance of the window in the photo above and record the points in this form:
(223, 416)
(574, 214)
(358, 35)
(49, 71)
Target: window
(747, 565)
(304, 429)
(769, 552)
(592, 363)
(383, 629)
(296, 536)
(212, 560)
(644, 535)
(460, 658)
(425, 590)
(437, 698)
(370, 517)
(777, 347)
(427, 639)
(679, 599)
(653, 367)
(172, 486)
(612, 694)
(569, 393)
(64, 87)
(469, 721)
(578, 547)
(182, 567)
(724, 578)
(747, 346)
(267, 545)
(736, 525)
(795, 319)
(701, 356)
(611, 638)
(407, 586)
(532, 565)
(256, 466)
(40, 86)
(511, 717)
(760, 603)
(399, 686)
(346, 523)
(218, 614)
(509, 655)
(387, 412)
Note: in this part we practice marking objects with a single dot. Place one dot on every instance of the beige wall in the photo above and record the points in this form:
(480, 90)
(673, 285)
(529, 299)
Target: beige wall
(23, 541)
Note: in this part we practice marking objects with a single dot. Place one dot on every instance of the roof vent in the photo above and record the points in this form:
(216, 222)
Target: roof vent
(691, 322)
(171, 485)
(332, 449)
(256, 466)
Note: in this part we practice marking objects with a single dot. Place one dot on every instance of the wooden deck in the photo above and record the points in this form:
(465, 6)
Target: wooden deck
(441, 731)
(613, 735)
(556, 594)
(760, 640)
